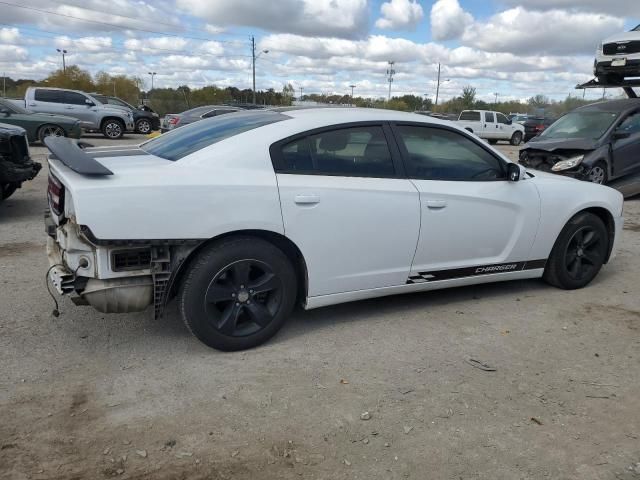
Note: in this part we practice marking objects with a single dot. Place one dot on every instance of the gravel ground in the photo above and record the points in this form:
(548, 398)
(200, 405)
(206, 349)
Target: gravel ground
(90, 396)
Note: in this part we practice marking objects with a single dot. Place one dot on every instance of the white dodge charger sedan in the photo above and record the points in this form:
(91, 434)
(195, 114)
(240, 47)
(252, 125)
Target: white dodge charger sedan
(242, 216)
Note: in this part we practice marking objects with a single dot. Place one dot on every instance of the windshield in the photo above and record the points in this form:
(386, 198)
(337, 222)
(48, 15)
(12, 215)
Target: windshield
(581, 125)
(183, 141)
(637, 29)
(120, 103)
(12, 106)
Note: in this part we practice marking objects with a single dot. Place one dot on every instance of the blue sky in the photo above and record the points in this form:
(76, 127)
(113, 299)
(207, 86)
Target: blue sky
(515, 48)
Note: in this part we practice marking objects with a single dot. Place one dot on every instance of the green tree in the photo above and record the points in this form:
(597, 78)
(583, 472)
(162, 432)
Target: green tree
(468, 97)
(74, 78)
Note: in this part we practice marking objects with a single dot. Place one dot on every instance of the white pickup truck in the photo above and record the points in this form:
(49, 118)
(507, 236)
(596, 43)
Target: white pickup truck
(491, 126)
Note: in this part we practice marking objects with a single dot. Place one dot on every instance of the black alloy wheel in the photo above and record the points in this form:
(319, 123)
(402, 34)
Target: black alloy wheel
(579, 252)
(598, 174)
(585, 252)
(50, 131)
(243, 297)
(237, 293)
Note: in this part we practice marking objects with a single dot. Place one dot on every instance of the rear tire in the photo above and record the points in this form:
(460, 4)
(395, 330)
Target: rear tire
(50, 130)
(579, 252)
(113, 128)
(492, 142)
(237, 293)
(516, 139)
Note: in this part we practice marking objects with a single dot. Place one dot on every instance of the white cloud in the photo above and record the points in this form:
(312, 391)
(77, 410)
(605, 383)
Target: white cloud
(12, 53)
(9, 35)
(156, 45)
(520, 31)
(624, 8)
(400, 14)
(83, 44)
(340, 18)
(448, 20)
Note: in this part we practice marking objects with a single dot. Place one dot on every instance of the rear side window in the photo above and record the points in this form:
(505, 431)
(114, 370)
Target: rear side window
(470, 116)
(186, 140)
(358, 151)
(51, 96)
(489, 117)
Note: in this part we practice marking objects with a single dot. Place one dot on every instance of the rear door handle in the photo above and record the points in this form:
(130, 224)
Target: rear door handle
(436, 204)
(307, 199)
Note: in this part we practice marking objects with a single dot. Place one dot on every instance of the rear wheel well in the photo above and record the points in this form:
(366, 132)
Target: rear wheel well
(606, 217)
(289, 248)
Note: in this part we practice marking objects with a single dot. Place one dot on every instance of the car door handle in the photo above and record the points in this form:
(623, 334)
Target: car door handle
(436, 204)
(69, 108)
(307, 199)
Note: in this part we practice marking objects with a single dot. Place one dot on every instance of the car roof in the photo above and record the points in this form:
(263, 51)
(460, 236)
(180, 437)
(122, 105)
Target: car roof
(612, 105)
(339, 115)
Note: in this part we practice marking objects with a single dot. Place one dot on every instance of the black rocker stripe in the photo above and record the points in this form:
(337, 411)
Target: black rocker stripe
(423, 277)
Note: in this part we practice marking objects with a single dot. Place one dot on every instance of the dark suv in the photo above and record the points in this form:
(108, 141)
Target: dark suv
(16, 165)
(144, 119)
(535, 126)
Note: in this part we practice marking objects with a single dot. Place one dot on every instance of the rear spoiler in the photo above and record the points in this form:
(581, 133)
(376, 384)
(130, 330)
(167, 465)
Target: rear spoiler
(70, 153)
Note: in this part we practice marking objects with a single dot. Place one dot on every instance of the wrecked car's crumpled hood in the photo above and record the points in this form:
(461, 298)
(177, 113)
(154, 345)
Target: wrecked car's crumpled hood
(549, 145)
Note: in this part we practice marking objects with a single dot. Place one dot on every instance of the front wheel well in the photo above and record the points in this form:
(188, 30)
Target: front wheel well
(289, 248)
(607, 218)
(106, 119)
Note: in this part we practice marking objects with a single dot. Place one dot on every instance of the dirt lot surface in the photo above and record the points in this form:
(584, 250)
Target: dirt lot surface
(90, 396)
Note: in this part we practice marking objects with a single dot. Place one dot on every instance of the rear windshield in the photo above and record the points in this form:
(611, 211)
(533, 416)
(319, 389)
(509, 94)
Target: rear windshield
(183, 141)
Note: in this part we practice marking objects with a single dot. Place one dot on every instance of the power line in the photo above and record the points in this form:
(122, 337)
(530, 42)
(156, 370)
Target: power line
(123, 47)
(49, 12)
(68, 3)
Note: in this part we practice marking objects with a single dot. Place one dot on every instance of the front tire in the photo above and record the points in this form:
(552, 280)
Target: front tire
(579, 252)
(143, 126)
(516, 139)
(113, 129)
(598, 173)
(8, 189)
(238, 293)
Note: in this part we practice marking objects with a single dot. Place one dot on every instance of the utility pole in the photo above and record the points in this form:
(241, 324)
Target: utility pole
(301, 88)
(352, 87)
(438, 86)
(496, 94)
(153, 74)
(114, 89)
(254, 57)
(390, 72)
(4, 85)
(64, 65)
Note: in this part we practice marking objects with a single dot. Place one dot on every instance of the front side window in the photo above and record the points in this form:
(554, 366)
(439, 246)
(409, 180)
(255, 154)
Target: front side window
(75, 98)
(502, 118)
(630, 125)
(356, 151)
(439, 154)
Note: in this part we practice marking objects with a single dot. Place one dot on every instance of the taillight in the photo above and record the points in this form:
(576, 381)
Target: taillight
(55, 194)
(539, 128)
(174, 121)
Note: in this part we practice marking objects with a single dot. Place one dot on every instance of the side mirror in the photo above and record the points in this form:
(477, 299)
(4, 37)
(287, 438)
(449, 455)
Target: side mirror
(89, 103)
(619, 135)
(509, 122)
(5, 111)
(513, 172)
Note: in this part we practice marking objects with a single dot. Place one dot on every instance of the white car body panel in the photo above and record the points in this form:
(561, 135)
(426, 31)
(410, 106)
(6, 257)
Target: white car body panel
(501, 221)
(490, 130)
(362, 238)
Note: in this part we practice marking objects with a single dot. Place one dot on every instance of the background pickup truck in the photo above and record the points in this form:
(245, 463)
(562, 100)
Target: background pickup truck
(93, 115)
(491, 126)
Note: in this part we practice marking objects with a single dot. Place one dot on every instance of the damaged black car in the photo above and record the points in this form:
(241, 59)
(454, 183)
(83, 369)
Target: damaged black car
(16, 166)
(598, 143)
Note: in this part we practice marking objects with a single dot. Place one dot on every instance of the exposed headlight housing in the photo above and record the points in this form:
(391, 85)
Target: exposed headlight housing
(568, 163)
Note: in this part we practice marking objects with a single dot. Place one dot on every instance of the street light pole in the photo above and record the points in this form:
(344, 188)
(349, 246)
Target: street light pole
(496, 94)
(301, 89)
(390, 72)
(153, 74)
(64, 65)
(352, 87)
(437, 86)
(254, 57)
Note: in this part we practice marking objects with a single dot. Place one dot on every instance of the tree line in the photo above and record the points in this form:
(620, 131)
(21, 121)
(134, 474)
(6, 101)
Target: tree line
(175, 100)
